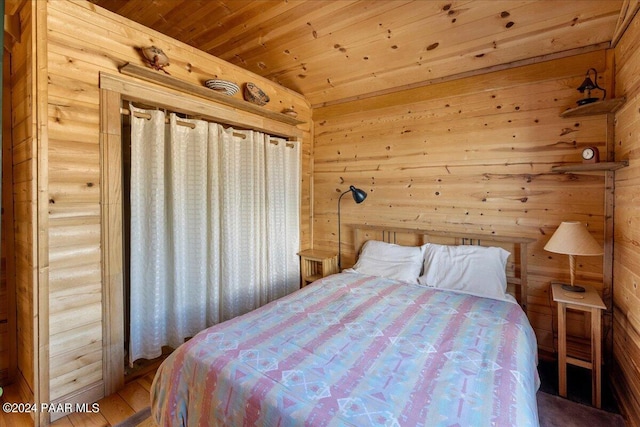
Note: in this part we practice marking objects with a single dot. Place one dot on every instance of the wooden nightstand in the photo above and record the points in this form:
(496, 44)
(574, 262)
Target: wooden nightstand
(315, 264)
(589, 302)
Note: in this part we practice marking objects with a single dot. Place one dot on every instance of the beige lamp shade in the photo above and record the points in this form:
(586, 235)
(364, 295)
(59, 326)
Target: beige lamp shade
(573, 238)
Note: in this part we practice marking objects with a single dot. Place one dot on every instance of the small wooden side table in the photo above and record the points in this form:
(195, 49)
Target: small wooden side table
(316, 264)
(590, 302)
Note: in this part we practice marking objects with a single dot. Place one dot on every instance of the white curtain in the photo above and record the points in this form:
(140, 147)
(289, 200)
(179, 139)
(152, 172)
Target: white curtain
(214, 226)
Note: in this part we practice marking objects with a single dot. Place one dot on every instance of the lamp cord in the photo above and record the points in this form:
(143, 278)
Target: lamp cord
(339, 236)
(553, 329)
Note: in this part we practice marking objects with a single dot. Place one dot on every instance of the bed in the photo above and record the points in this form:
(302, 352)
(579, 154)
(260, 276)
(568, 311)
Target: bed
(375, 345)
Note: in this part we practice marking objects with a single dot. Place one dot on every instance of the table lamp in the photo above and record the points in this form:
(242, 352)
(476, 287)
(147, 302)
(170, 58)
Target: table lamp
(572, 238)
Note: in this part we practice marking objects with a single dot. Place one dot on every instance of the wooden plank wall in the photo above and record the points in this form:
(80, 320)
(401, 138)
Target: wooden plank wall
(7, 215)
(626, 290)
(472, 155)
(24, 191)
(469, 155)
(84, 40)
(81, 44)
(7, 290)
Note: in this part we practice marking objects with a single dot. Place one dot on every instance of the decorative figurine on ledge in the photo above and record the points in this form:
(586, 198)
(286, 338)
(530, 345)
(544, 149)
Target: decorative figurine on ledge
(156, 58)
(254, 94)
(588, 85)
(290, 112)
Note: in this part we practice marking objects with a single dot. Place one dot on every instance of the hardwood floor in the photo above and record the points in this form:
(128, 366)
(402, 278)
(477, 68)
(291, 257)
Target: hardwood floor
(114, 409)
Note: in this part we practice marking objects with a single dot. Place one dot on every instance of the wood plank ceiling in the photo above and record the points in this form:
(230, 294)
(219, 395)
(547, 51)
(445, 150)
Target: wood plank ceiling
(335, 50)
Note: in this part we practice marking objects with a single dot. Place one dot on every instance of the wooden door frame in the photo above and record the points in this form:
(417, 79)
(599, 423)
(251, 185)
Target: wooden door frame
(112, 241)
(113, 90)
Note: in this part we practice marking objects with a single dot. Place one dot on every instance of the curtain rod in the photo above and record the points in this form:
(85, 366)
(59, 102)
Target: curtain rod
(127, 112)
(276, 142)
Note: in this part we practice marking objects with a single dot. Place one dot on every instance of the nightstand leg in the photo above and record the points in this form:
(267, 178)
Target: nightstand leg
(562, 350)
(596, 357)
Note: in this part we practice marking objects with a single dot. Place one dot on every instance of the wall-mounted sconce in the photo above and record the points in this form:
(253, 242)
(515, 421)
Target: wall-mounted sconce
(587, 86)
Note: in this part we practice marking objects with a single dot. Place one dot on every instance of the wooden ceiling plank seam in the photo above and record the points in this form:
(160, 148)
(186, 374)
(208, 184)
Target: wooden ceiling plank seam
(182, 11)
(306, 48)
(297, 17)
(240, 24)
(212, 21)
(595, 28)
(206, 21)
(135, 10)
(517, 73)
(309, 49)
(253, 36)
(285, 79)
(558, 23)
(410, 19)
(331, 21)
(472, 49)
(232, 26)
(429, 74)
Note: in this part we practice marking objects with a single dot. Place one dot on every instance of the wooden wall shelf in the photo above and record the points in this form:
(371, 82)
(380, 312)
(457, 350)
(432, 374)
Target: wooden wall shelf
(607, 107)
(591, 167)
(598, 107)
(204, 92)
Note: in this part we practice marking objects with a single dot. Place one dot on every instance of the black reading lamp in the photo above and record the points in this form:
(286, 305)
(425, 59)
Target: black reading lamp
(587, 86)
(359, 196)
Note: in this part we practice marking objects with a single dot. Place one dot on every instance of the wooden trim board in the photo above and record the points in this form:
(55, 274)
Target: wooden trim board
(112, 250)
(41, 386)
(196, 106)
(203, 92)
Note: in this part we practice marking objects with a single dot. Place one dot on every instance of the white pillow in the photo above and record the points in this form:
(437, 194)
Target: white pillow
(476, 270)
(389, 260)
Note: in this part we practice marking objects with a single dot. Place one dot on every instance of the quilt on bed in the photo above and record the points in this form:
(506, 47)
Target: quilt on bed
(355, 350)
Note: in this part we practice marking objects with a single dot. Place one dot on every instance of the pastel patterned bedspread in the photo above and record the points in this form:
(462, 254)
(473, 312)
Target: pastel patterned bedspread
(354, 350)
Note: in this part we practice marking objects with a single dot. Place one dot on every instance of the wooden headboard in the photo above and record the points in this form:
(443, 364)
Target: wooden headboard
(517, 246)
